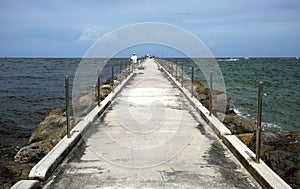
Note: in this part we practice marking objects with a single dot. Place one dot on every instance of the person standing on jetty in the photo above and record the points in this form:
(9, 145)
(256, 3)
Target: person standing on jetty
(133, 59)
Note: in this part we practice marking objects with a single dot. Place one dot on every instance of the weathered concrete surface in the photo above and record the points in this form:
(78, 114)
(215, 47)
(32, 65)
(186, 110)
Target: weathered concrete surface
(150, 137)
(44, 168)
(213, 121)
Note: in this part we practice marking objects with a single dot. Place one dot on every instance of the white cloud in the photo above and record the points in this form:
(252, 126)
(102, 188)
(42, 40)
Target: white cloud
(89, 35)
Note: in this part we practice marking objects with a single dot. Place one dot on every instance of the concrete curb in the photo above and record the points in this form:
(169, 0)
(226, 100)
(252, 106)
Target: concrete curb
(43, 169)
(266, 177)
(23, 184)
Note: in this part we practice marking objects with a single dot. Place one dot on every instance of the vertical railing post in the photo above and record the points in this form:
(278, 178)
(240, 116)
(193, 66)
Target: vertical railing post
(258, 128)
(120, 68)
(120, 72)
(192, 85)
(176, 72)
(129, 67)
(112, 76)
(210, 92)
(98, 88)
(67, 105)
(182, 74)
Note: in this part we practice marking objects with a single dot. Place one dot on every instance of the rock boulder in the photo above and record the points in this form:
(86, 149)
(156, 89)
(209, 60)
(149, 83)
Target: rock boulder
(238, 124)
(45, 136)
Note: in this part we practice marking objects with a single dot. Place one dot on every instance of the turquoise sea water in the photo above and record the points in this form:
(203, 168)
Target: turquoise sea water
(281, 82)
(31, 87)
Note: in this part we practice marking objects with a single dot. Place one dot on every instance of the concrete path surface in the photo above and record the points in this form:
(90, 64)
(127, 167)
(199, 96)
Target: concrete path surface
(150, 137)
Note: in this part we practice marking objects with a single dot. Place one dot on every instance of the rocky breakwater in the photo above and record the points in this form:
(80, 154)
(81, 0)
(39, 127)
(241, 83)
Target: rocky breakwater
(44, 137)
(279, 150)
(85, 103)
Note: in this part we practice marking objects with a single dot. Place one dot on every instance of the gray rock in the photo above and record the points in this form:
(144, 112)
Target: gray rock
(34, 152)
(238, 124)
(50, 128)
(106, 87)
(45, 136)
(11, 172)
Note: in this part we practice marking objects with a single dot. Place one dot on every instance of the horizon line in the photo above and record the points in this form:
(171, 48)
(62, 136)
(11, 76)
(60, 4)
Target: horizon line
(59, 57)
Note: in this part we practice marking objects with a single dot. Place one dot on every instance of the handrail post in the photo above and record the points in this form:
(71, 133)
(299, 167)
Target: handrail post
(98, 88)
(128, 67)
(112, 76)
(67, 106)
(182, 74)
(121, 78)
(176, 72)
(258, 128)
(210, 92)
(120, 68)
(192, 85)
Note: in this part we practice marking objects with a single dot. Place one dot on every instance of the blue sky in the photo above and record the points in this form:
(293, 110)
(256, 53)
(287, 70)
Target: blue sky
(60, 28)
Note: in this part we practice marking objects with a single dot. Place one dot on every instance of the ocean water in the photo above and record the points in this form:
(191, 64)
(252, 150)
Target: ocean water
(31, 87)
(281, 82)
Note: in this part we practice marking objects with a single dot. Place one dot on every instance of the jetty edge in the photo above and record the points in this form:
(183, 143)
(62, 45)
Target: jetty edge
(265, 176)
(43, 169)
(231, 141)
(279, 150)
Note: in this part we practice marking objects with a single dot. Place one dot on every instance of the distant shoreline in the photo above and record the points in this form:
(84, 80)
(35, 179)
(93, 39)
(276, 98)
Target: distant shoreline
(216, 57)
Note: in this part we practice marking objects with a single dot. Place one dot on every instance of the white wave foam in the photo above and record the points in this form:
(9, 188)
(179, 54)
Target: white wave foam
(271, 126)
(228, 60)
(240, 113)
(265, 125)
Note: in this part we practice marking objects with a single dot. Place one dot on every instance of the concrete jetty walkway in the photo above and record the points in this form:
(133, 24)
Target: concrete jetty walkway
(150, 137)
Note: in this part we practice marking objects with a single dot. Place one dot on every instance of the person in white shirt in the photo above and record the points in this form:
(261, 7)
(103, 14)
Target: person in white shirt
(133, 58)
